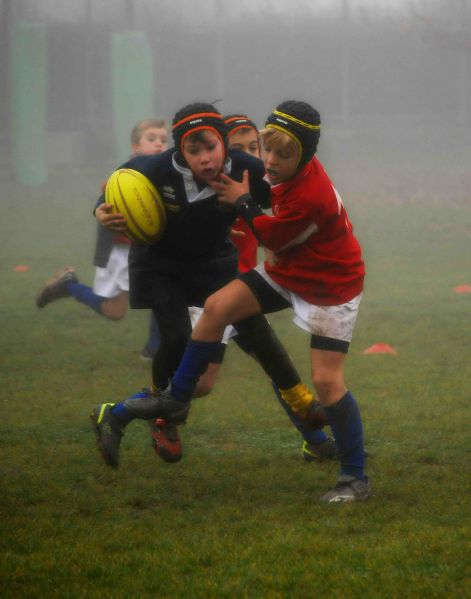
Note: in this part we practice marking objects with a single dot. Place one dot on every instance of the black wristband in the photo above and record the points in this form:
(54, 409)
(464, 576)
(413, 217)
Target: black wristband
(241, 200)
(247, 208)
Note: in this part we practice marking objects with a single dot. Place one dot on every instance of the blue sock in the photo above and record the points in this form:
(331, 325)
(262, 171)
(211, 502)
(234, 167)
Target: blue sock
(153, 342)
(345, 421)
(122, 414)
(197, 356)
(309, 434)
(86, 295)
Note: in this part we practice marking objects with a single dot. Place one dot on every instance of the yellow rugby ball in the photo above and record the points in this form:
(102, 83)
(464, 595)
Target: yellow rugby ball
(135, 197)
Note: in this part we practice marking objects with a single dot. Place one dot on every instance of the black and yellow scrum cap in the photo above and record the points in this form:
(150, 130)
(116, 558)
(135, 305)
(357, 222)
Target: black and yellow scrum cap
(301, 122)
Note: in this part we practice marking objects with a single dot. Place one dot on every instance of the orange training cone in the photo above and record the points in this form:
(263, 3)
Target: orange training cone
(21, 268)
(380, 348)
(462, 289)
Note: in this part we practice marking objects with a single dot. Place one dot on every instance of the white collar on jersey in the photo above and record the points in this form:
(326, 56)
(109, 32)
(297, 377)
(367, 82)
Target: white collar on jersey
(191, 187)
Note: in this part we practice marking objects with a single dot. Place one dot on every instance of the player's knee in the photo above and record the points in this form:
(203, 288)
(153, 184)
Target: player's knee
(115, 308)
(116, 316)
(215, 310)
(327, 384)
(113, 312)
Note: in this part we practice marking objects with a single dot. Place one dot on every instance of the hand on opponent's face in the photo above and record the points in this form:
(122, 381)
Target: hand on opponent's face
(229, 190)
(114, 221)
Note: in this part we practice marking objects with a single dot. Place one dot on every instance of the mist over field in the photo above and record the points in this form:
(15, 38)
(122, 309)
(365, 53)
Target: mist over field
(377, 71)
(390, 79)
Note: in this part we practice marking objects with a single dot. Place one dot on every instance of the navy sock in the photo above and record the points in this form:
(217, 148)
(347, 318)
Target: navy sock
(309, 434)
(86, 295)
(122, 414)
(345, 421)
(197, 356)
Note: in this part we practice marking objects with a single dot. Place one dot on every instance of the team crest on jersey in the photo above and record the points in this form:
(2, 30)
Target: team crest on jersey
(169, 197)
(168, 192)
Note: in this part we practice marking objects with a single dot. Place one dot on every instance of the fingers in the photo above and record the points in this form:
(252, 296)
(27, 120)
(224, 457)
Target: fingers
(114, 217)
(118, 228)
(228, 189)
(116, 221)
(110, 220)
(223, 178)
(104, 208)
(226, 180)
(218, 187)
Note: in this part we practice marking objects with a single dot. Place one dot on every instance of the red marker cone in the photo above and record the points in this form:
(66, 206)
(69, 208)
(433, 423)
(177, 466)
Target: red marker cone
(380, 348)
(21, 268)
(462, 289)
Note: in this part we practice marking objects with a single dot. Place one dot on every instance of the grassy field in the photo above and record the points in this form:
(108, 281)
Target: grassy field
(239, 516)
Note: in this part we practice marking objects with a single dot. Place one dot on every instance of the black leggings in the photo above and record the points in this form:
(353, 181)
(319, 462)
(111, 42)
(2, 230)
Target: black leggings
(171, 313)
(255, 336)
(258, 339)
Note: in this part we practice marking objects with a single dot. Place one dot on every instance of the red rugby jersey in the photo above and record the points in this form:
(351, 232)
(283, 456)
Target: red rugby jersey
(247, 245)
(318, 257)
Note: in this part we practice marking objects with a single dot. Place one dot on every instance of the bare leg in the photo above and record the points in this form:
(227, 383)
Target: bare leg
(115, 308)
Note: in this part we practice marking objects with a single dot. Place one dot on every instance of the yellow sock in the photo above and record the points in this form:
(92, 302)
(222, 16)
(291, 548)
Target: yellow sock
(299, 398)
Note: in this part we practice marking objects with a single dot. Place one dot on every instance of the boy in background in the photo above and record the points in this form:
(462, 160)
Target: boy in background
(110, 293)
(242, 134)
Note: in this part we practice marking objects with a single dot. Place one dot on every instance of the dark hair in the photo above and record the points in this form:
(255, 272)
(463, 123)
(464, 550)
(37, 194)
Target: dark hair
(196, 136)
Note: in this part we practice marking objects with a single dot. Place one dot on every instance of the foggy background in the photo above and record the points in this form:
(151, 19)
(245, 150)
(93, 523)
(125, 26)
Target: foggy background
(391, 72)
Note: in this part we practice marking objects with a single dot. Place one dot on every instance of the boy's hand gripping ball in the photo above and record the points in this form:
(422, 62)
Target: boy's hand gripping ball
(133, 195)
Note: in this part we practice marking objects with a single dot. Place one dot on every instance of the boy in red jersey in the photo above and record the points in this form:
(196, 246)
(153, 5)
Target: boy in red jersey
(315, 267)
(242, 134)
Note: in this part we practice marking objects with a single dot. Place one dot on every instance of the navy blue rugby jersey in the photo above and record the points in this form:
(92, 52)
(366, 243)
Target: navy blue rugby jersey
(198, 226)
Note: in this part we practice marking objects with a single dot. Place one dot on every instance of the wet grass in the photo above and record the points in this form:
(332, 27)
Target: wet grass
(239, 516)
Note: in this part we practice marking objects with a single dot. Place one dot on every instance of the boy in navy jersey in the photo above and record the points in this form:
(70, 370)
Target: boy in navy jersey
(193, 259)
(315, 267)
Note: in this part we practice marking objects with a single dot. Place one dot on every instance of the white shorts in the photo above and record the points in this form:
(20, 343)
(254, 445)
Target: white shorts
(114, 278)
(195, 315)
(335, 322)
